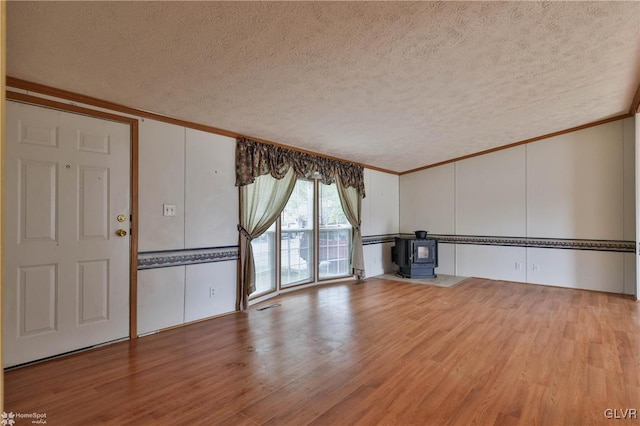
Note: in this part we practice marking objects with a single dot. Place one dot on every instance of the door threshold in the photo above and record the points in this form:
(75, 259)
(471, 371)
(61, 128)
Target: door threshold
(64, 354)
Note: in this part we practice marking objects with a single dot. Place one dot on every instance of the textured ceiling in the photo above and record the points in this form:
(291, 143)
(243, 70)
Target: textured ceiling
(394, 85)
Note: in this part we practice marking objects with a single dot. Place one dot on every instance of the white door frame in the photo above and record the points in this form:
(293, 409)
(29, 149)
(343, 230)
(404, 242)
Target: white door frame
(133, 184)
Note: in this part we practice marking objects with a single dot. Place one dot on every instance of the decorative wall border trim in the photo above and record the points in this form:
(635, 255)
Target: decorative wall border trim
(555, 243)
(378, 239)
(163, 259)
(167, 258)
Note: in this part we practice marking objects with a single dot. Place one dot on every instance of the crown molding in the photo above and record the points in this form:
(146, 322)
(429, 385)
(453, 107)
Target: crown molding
(42, 89)
(522, 142)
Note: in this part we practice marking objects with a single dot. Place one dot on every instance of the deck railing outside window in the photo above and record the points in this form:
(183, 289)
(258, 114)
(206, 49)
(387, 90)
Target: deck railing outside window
(263, 255)
(335, 246)
(296, 256)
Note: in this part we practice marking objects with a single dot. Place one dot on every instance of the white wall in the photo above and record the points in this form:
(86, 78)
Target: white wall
(427, 202)
(160, 298)
(161, 181)
(491, 200)
(380, 216)
(380, 212)
(575, 184)
(490, 194)
(578, 185)
(591, 270)
(210, 289)
(194, 171)
(428, 199)
(211, 197)
(495, 262)
(629, 199)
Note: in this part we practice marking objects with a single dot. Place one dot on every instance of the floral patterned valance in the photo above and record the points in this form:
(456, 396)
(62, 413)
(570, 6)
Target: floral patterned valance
(255, 159)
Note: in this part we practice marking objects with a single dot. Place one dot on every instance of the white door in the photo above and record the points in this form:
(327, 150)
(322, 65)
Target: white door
(66, 269)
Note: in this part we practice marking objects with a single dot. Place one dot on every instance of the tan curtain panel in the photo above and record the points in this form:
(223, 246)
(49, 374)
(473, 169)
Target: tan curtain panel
(352, 206)
(255, 159)
(260, 205)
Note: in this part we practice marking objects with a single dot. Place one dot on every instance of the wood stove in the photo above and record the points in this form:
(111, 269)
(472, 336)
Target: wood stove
(416, 257)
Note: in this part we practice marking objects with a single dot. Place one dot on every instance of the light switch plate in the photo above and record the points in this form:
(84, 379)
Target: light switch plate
(168, 209)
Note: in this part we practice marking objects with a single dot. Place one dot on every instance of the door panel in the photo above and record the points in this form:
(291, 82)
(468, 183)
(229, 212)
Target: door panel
(93, 184)
(43, 134)
(67, 272)
(93, 143)
(37, 307)
(37, 206)
(93, 288)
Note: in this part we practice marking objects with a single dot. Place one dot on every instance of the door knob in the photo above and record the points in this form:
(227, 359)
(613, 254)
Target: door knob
(121, 232)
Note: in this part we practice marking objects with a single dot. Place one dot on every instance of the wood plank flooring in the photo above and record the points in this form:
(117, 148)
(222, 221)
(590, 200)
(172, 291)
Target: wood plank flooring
(382, 352)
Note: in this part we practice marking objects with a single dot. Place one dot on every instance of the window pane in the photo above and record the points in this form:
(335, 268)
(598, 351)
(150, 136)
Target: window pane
(296, 257)
(335, 235)
(264, 257)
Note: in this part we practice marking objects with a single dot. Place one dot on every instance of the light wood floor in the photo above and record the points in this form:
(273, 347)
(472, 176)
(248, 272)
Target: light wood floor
(382, 352)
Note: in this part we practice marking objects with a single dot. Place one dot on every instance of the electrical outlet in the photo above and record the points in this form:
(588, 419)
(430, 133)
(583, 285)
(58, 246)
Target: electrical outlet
(212, 292)
(168, 209)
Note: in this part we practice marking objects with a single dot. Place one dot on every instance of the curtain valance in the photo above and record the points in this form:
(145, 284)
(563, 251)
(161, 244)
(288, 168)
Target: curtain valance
(255, 159)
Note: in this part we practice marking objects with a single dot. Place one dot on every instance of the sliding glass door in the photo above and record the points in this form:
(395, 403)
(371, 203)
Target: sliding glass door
(310, 242)
(335, 235)
(296, 236)
(264, 255)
